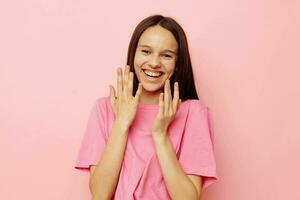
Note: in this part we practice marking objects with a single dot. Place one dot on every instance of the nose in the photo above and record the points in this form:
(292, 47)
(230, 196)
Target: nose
(154, 61)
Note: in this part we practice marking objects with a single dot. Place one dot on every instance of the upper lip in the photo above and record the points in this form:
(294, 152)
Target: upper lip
(152, 70)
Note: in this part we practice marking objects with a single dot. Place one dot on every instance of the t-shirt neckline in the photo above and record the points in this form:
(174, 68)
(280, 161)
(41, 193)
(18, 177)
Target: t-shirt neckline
(148, 106)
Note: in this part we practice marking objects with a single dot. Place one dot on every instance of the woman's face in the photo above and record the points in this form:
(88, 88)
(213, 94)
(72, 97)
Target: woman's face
(155, 58)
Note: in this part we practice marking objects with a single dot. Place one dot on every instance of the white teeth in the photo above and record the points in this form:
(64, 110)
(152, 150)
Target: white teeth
(155, 74)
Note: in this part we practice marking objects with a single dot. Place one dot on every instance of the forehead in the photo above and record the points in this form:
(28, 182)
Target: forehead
(158, 37)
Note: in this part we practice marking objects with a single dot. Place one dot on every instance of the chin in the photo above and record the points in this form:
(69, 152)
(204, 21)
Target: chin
(150, 87)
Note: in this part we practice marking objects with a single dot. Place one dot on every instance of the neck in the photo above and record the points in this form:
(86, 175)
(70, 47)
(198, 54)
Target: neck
(149, 97)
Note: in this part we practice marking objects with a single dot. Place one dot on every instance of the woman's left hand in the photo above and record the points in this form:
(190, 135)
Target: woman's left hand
(167, 110)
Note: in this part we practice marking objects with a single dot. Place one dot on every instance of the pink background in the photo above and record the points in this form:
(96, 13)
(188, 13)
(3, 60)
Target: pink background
(58, 56)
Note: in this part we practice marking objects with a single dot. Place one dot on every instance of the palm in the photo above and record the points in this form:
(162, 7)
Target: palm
(125, 104)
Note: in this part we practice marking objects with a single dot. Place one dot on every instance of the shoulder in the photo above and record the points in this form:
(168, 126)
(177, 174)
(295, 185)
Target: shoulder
(102, 104)
(194, 104)
(102, 101)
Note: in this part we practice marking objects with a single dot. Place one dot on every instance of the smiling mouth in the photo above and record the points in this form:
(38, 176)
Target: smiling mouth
(153, 75)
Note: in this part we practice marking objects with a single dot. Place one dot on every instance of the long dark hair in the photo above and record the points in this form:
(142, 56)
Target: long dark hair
(183, 68)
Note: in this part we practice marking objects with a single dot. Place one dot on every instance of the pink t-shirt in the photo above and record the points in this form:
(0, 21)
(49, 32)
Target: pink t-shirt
(140, 177)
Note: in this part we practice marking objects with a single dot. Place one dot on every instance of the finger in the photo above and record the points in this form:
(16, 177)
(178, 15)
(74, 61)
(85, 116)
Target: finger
(112, 94)
(176, 96)
(130, 84)
(125, 80)
(179, 103)
(170, 106)
(161, 104)
(119, 82)
(138, 92)
(166, 98)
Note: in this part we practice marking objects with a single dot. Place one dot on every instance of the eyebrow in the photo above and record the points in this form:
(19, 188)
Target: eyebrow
(143, 45)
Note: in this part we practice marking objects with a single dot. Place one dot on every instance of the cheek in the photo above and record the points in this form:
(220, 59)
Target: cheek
(136, 67)
(170, 67)
(139, 60)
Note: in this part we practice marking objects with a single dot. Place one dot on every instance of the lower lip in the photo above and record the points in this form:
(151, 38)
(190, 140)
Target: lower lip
(151, 79)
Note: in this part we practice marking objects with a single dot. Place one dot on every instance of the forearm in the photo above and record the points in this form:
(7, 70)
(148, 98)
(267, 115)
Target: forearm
(178, 183)
(104, 180)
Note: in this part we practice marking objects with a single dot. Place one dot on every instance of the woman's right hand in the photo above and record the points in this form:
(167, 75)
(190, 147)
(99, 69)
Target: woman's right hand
(124, 105)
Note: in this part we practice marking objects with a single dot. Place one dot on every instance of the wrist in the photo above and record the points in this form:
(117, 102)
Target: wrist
(120, 125)
(159, 136)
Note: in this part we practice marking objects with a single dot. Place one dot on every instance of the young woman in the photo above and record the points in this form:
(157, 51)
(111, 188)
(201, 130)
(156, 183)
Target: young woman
(151, 139)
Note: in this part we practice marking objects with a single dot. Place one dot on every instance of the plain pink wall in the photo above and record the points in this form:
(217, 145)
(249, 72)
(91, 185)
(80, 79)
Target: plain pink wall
(58, 56)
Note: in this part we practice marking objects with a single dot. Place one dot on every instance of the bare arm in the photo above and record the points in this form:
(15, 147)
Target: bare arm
(104, 177)
(179, 185)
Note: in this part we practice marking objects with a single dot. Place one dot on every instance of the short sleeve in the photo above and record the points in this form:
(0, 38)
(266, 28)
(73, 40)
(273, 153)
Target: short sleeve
(196, 154)
(94, 141)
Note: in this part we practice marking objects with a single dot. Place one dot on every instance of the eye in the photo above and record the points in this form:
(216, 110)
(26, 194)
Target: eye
(145, 51)
(168, 56)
